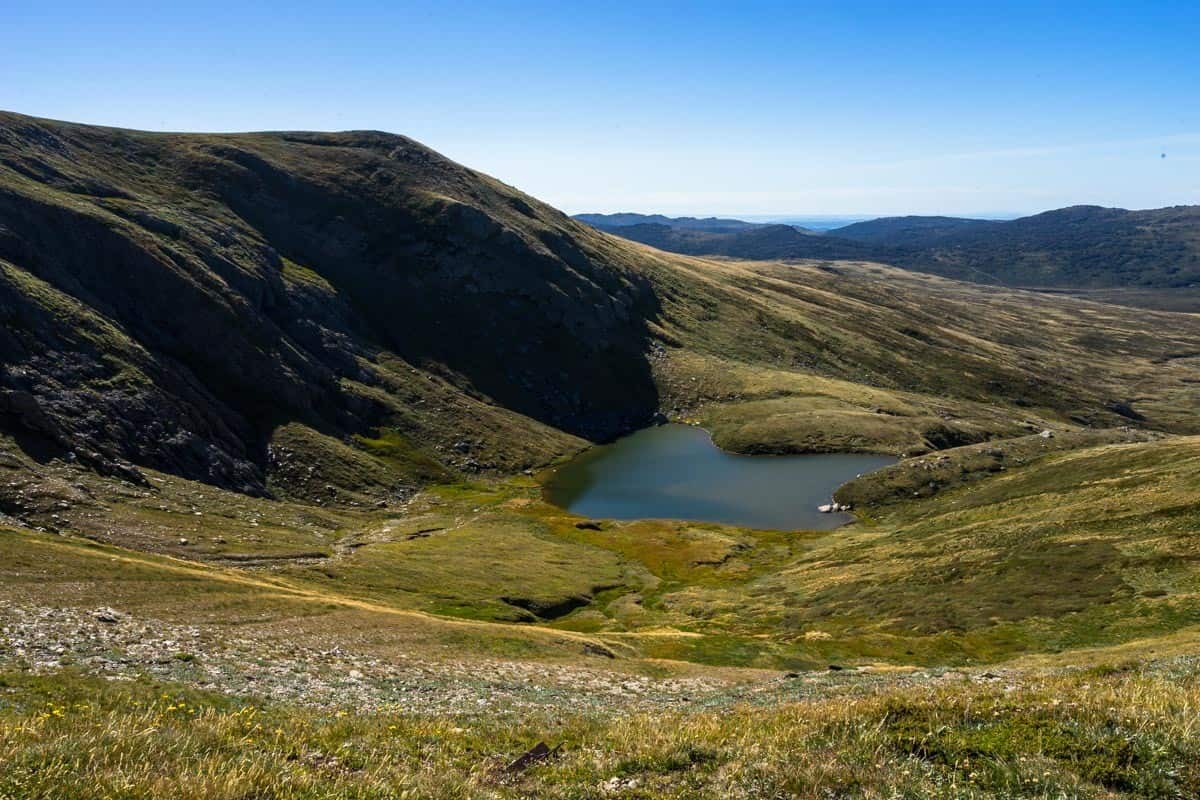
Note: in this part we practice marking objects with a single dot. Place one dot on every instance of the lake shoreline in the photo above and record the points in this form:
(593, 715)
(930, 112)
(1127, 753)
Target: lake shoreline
(676, 471)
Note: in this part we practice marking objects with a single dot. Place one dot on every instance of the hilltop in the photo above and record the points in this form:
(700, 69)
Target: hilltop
(761, 242)
(723, 237)
(912, 231)
(176, 300)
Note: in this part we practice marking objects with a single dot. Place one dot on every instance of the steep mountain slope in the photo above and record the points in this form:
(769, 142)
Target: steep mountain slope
(173, 300)
(345, 317)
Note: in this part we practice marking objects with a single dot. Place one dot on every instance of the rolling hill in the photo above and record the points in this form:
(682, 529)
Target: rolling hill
(207, 305)
(912, 231)
(762, 242)
(273, 410)
(625, 220)
(1081, 248)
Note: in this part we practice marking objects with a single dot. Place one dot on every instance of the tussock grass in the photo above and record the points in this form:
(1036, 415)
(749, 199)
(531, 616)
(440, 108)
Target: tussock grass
(1098, 733)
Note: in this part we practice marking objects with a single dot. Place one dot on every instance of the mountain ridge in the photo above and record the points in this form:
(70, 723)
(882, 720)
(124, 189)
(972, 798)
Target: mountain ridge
(1083, 247)
(344, 317)
(222, 233)
(626, 219)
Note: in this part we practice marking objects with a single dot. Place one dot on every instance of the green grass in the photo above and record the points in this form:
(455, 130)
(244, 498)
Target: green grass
(123, 360)
(936, 473)
(301, 275)
(51, 571)
(403, 456)
(1083, 548)
(488, 567)
(1093, 734)
(1075, 544)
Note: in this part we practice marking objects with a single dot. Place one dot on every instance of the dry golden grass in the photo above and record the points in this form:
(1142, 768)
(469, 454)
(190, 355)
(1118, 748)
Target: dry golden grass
(1092, 734)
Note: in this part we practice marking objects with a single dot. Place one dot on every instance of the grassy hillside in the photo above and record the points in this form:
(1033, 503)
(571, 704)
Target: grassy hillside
(174, 300)
(249, 310)
(272, 413)
(306, 677)
(778, 358)
(1032, 545)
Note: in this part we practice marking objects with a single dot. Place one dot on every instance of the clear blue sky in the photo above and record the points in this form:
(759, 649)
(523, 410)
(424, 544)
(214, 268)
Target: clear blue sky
(752, 108)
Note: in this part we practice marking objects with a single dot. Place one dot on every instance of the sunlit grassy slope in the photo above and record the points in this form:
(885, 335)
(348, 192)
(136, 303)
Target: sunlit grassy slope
(301, 314)
(839, 355)
(292, 391)
(1093, 734)
(972, 555)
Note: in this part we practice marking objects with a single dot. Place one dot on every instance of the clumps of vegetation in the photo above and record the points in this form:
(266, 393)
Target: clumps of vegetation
(301, 275)
(1069, 549)
(949, 469)
(403, 456)
(310, 465)
(1091, 734)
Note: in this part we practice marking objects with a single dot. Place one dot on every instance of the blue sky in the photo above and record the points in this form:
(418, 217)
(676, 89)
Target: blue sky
(729, 108)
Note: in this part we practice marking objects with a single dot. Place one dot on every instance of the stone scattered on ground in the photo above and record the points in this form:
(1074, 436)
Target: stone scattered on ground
(120, 646)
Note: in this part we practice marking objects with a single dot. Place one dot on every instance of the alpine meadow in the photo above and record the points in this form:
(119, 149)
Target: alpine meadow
(331, 467)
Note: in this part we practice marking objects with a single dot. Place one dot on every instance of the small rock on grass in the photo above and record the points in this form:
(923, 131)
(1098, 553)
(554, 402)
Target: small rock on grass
(539, 752)
(107, 615)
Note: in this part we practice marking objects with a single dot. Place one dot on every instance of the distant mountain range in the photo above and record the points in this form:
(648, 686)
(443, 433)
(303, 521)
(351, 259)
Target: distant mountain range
(761, 242)
(1080, 247)
(714, 224)
(725, 237)
(908, 231)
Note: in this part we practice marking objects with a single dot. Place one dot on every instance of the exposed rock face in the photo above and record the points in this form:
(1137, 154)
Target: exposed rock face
(170, 300)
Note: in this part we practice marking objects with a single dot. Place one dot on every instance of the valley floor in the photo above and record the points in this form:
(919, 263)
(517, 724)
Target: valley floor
(182, 641)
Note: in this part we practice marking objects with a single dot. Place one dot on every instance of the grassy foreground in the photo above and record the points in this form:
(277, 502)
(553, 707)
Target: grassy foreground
(1094, 733)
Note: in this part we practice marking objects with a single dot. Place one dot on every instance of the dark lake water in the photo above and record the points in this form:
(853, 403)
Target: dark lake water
(676, 472)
